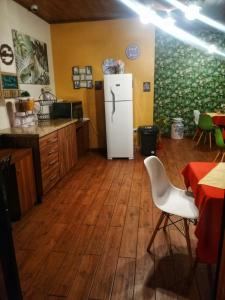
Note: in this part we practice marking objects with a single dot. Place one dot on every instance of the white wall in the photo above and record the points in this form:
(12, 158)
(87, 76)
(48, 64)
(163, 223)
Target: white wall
(14, 16)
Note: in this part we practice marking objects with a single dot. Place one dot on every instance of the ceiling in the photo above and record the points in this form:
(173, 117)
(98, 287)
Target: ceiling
(62, 11)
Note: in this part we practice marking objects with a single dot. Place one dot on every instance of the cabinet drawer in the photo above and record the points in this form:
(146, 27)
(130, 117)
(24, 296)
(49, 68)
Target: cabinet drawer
(48, 141)
(49, 161)
(49, 152)
(50, 177)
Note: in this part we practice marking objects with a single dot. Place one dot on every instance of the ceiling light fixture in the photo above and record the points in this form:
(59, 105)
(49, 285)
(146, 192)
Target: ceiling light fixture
(148, 15)
(192, 11)
(212, 49)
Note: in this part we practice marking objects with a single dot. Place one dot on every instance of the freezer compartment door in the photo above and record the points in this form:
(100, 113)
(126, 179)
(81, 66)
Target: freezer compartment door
(119, 129)
(118, 86)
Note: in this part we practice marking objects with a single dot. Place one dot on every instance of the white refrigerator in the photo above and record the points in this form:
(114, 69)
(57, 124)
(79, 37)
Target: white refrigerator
(118, 93)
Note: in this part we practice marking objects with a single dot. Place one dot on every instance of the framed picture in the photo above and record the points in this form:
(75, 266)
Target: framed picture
(82, 77)
(75, 70)
(88, 70)
(9, 81)
(83, 83)
(88, 77)
(76, 84)
(82, 71)
(146, 86)
(76, 77)
(89, 84)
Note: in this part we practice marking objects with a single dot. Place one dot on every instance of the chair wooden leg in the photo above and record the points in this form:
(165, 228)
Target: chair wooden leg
(187, 236)
(166, 222)
(205, 137)
(196, 133)
(223, 156)
(162, 216)
(217, 155)
(199, 138)
(210, 140)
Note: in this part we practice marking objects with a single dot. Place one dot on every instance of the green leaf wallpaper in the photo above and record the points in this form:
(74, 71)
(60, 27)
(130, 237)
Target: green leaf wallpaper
(187, 78)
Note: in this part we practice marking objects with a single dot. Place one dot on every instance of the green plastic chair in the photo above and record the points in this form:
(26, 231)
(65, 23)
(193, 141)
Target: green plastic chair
(220, 144)
(206, 126)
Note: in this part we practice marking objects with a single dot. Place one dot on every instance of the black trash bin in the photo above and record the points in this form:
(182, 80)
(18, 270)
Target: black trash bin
(147, 138)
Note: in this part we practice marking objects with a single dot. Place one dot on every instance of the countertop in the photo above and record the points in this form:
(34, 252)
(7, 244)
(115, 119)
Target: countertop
(43, 128)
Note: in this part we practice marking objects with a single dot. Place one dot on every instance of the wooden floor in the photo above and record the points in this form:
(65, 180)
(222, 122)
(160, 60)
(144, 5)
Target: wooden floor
(88, 238)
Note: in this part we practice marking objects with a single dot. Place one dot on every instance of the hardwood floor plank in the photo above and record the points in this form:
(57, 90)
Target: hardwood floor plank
(45, 276)
(164, 276)
(129, 240)
(104, 277)
(111, 172)
(61, 284)
(83, 280)
(182, 266)
(124, 280)
(106, 215)
(124, 193)
(34, 262)
(95, 209)
(135, 192)
(116, 185)
(97, 240)
(144, 279)
(83, 235)
(119, 215)
(146, 210)
(67, 240)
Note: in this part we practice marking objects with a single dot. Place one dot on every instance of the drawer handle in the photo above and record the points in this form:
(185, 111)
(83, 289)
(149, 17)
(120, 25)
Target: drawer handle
(52, 162)
(53, 177)
(52, 141)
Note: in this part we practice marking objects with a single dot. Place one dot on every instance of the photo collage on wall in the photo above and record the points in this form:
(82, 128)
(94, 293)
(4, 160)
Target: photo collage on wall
(82, 77)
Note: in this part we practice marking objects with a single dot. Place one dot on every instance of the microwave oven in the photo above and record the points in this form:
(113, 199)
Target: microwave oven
(67, 110)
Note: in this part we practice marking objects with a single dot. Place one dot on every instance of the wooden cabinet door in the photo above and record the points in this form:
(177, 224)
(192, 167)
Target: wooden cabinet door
(26, 183)
(82, 138)
(67, 148)
(72, 145)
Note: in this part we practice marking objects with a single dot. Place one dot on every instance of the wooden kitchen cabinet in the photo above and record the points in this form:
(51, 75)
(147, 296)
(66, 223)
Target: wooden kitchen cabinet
(58, 154)
(67, 149)
(21, 191)
(82, 132)
(55, 153)
(26, 182)
(49, 157)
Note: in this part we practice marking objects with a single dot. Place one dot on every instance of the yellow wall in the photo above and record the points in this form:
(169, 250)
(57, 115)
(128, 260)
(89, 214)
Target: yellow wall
(90, 43)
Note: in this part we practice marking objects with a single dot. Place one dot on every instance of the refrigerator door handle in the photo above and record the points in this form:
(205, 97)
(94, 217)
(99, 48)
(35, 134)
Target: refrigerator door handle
(113, 103)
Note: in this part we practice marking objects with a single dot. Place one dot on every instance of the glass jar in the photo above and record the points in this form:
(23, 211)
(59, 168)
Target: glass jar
(30, 105)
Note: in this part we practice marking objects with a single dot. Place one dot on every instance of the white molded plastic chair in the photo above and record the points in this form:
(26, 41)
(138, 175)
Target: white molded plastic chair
(196, 120)
(196, 116)
(169, 199)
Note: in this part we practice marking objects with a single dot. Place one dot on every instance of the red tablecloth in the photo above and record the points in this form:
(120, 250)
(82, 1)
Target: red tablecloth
(209, 201)
(219, 120)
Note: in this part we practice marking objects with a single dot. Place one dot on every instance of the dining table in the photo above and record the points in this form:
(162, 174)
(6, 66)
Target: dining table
(217, 118)
(210, 201)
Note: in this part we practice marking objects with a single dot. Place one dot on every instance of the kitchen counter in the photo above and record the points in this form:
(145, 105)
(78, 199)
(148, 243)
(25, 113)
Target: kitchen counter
(43, 128)
(55, 144)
